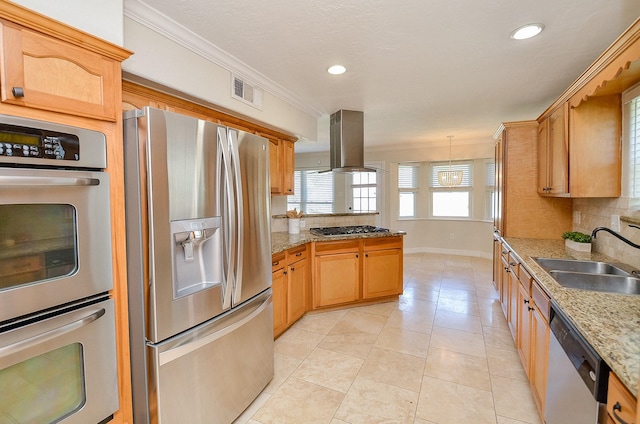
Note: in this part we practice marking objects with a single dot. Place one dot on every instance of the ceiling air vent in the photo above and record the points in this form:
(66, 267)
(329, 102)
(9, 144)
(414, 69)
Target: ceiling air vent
(246, 93)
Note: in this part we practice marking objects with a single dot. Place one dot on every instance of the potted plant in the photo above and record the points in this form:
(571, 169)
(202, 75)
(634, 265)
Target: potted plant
(577, 241)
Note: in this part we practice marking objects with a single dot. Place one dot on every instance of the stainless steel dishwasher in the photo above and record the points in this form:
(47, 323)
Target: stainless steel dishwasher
(577, 377)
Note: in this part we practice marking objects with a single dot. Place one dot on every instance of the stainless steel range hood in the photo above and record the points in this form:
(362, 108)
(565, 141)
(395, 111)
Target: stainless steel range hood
(346, 135)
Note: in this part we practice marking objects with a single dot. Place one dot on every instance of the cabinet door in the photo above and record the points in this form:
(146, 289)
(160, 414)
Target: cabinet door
(382, 274)
(621, 404)
(337, 279)
(504, 285)
(275, 166)
(279, 290)
(543, 157)
(558, 152)
(288, 167)
(539, 357)
(44, 73)
(524, 329)
(514, 306)
(297, 290)
(497, 268)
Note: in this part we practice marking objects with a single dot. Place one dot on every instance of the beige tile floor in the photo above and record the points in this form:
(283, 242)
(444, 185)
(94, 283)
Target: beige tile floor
(441, 354)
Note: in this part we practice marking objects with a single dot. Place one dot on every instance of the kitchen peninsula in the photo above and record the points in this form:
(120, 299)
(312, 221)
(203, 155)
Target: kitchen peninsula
(313, 272)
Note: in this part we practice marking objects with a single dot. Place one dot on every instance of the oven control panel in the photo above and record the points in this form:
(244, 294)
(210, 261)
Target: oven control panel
(16, 141)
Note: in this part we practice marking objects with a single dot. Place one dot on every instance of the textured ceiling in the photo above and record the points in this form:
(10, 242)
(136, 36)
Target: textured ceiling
(419, 69)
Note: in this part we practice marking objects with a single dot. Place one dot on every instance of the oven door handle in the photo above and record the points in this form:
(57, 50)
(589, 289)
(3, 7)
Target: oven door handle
(47, 181)
(51, 334)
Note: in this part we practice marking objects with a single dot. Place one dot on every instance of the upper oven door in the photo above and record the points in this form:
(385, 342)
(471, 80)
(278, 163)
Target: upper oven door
(55, 238)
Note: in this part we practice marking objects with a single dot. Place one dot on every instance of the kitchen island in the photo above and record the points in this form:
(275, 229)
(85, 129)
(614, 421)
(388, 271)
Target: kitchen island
(610, 322)
(312, 272)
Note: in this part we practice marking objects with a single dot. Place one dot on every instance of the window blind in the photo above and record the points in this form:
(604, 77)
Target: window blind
(490, 176)
(407, 176)
(634, 151)
(313, 192)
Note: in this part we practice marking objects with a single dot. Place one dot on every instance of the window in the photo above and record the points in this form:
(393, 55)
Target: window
(407, 190)
(454, 201)
(634, 147)
(313, 192)
(363, 189)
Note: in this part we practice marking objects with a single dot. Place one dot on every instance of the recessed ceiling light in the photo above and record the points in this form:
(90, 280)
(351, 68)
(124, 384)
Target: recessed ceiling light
(527, 31)
(337, 70)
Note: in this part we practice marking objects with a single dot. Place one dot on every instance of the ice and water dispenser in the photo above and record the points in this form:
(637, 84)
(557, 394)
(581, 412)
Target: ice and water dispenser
(197, 255)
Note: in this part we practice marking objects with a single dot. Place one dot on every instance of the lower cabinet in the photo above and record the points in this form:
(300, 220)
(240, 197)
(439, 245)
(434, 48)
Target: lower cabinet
(526, 308)
(349, 271)
(290, 281)
(621, 404)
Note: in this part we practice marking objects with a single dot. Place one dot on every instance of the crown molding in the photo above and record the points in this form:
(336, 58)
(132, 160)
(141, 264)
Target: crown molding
(147, 16)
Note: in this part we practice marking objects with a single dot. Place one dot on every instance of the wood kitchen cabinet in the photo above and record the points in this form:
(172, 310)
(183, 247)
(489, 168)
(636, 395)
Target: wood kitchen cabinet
(382, 267)
(621, 404)
(539, 345)
(336, 273)
(553, 153)
(281, 166)
(579, 149)
(518, 209)
(55, 73)
(523, 325)
(290, 281)
(350, 271)
(43, 72)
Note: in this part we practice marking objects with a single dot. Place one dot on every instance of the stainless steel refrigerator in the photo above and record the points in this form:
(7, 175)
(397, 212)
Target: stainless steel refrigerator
(198, 267)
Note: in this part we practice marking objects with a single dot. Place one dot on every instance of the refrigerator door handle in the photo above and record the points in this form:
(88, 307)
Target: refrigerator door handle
(226, 199)
(239, 216)
(181, 350)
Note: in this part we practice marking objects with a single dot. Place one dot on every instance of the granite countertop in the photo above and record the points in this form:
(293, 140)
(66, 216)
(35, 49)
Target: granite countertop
(610, 322)
(281, 241)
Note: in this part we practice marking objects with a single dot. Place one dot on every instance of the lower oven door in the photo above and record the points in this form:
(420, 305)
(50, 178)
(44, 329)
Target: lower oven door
(55, 238)
(61, 368)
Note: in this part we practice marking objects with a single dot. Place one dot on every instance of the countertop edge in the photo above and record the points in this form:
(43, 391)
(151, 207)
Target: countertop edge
(609, 322)
(281, 241)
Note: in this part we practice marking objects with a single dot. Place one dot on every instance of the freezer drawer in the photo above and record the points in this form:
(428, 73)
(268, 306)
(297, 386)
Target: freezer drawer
(212, 373)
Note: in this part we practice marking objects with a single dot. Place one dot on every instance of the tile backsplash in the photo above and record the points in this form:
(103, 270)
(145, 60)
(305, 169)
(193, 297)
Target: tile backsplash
(598, 212)
(280, 223)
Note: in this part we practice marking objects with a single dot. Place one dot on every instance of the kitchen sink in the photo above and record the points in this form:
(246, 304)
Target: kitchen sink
(591, 267)
(597, 282)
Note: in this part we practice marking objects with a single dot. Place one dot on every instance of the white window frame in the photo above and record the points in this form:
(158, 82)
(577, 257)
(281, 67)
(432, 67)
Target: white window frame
(414, 189)
(631, 143)
(300, 199)
(490, 189)
(465, 187)
(352, 189)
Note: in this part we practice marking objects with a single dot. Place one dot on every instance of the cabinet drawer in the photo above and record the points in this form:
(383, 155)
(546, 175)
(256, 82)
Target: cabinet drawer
(297, 254)
(381, 243)
(332, 247)
(621, 405)
(277, 261)
(540, 299)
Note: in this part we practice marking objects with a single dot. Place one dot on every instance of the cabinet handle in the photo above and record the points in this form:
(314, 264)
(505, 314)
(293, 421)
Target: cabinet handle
(529, 308)
(285, 272)
(366, 255)
(17, 92)
(504, 252)
(357, 256)
(299, 254)
(526, 301)
(293, 269)
(513, 263)
(618, 407)
(275, 263)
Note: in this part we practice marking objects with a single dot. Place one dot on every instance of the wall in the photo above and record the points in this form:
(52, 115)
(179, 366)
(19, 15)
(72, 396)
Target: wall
(470, 237)
(98, 17)
(194, 74)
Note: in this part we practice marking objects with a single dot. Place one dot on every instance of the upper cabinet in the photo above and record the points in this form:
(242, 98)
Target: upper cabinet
(281, 166)
(553, 154)
(42, 72)
(579, 135)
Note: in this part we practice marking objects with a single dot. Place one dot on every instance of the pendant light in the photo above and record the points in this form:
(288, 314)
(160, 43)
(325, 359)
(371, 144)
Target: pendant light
(450, 178)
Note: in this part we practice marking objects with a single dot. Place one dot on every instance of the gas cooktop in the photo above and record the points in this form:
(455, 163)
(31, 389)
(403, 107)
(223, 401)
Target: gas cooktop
(347, 230)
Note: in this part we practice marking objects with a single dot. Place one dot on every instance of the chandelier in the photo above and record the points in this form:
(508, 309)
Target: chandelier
(450, 177)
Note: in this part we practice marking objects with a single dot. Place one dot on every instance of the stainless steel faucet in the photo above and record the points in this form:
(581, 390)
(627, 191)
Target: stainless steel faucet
(609, 230)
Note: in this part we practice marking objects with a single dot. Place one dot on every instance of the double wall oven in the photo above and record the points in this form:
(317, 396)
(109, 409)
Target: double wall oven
(57, 324)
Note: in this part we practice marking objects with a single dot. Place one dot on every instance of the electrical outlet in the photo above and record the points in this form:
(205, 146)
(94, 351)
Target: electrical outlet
(615, 222)
(577, 216)
(452, 236)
